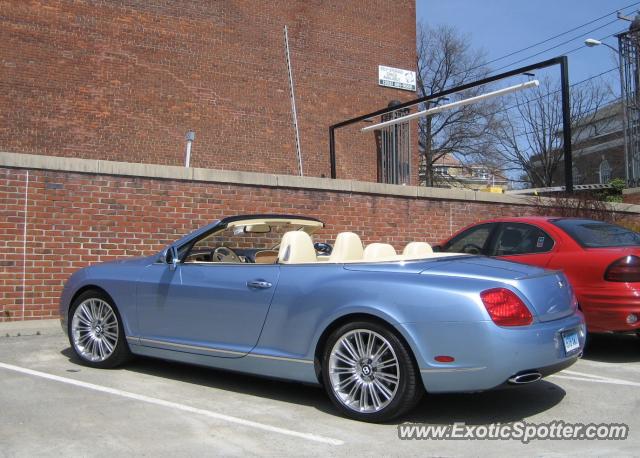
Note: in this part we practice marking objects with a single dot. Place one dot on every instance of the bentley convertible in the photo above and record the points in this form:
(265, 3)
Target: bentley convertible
(374, 327)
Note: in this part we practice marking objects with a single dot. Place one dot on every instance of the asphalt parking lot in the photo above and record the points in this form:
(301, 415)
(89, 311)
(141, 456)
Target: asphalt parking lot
(50, 405)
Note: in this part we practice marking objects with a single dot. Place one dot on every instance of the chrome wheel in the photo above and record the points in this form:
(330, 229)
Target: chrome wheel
(364, 371)
(94, 330)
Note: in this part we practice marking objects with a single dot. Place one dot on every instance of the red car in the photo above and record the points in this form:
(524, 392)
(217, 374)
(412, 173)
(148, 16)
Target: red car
(601, 260)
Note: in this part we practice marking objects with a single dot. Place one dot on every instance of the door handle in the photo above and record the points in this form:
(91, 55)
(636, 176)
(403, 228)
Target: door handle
(260, 284)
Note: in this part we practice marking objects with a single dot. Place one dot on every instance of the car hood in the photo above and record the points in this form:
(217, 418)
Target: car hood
(137, 261)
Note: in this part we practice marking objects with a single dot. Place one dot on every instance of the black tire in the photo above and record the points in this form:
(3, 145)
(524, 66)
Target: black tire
(120, 353)
(409, 388)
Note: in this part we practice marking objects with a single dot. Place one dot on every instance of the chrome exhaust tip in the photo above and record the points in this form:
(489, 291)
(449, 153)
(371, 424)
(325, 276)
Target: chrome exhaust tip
(527, 377)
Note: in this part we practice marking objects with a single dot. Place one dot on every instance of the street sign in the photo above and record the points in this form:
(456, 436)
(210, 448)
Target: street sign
(397, 78)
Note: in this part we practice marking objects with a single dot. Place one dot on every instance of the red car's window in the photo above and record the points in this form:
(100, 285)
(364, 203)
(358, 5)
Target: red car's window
(597, 234)
(471, 241)
(519, 238)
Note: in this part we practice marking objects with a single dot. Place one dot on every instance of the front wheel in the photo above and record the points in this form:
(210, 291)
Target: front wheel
(95, 331)
(368, 372)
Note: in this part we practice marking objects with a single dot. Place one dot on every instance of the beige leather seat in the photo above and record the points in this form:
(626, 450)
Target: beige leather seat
(379, 252)
(296, 248)
(348, 247)
(416, 250)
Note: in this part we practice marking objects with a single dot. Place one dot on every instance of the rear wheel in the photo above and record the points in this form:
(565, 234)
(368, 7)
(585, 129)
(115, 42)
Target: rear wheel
(95, 331)
(368, 372)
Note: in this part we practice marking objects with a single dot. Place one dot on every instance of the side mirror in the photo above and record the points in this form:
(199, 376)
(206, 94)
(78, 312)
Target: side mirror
(171, 257)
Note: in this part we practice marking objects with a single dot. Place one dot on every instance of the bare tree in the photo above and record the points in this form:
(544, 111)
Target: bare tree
(447, 59)
(528, 133)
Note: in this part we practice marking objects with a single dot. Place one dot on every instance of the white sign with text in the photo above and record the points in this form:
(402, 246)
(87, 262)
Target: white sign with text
(396, 78)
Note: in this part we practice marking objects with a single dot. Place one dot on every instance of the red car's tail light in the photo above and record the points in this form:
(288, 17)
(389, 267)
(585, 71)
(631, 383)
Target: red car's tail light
(505, 308)
(625, 269)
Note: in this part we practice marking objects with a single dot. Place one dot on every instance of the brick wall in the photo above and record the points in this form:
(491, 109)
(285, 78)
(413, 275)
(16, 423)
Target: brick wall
(78, 219)
(125, 79)
(631, 196)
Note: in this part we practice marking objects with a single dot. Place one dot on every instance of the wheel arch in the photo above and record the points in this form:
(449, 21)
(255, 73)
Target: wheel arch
(90, 287)
(348, 318)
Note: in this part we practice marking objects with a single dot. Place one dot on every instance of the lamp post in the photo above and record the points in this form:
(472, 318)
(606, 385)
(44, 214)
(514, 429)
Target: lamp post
(592, 43)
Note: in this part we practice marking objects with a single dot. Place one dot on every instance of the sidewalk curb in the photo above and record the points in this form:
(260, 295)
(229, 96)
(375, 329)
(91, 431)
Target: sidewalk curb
(30, 328)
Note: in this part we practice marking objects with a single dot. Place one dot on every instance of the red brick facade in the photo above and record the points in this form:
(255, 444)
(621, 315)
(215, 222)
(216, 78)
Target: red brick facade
(124, 80)
(78, 219)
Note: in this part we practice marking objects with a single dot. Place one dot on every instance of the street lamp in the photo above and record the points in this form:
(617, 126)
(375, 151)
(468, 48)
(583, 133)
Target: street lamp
(591, 43)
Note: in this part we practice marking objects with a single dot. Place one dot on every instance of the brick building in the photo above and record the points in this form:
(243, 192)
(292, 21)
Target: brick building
(124, 80)
(96, 97)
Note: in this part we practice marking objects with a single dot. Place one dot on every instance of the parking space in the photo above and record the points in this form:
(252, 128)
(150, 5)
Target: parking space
(50, 405)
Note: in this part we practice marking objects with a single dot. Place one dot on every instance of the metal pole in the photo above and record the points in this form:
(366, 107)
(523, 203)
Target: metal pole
(293, 100)
(451, 106)
(332, 150)
(623, 103)
(566, 124)
(189, 137)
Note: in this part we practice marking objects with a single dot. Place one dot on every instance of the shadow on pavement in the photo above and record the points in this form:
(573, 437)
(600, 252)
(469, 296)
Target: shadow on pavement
(501, 405)
(612, 348)
(279, 390)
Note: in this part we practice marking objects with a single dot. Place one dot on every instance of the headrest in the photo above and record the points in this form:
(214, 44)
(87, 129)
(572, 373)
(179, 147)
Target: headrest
(378, 251)
(296, 248)
(415, 250)
(348, 247)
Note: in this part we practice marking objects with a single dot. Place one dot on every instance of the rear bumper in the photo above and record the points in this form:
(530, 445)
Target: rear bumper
(486, 355)
(606, 309)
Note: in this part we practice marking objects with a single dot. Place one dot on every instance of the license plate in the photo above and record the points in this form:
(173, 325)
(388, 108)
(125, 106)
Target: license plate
(571, 342)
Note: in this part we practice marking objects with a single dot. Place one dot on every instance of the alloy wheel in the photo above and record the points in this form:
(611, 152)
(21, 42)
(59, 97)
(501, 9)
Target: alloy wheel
(94, 330)
(364, 371)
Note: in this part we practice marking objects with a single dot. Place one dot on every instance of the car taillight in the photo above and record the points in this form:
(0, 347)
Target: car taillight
(625, 269)
(505, 308)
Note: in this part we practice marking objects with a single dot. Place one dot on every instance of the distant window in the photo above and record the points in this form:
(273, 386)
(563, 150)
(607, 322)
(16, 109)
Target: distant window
(605, 172)
(441, 170)
(577, 178)
(394, 150)
(481, 173)
(596, 234)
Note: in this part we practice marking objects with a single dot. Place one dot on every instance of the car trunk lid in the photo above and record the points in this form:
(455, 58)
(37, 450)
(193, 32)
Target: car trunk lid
(547, 292)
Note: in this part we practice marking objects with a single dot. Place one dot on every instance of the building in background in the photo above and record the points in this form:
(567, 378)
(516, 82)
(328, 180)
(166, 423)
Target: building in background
(598, 148)
(450, 172)
(125, 80)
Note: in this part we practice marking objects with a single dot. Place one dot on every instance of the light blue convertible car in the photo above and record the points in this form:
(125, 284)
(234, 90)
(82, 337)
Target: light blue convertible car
(375, 327)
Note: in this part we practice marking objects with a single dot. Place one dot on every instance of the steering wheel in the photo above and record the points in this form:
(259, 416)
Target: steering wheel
(224, 254)
(323, 248)
(471, 248)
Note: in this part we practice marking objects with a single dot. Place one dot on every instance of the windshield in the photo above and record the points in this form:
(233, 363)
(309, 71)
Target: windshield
(597, 234)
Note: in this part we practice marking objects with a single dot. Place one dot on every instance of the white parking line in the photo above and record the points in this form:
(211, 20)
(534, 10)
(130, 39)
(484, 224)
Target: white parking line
(174, 405)
(608, 365)
(584, 377)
